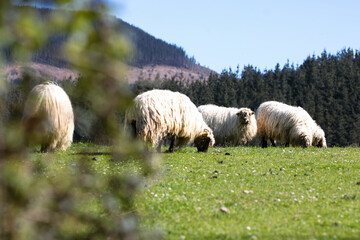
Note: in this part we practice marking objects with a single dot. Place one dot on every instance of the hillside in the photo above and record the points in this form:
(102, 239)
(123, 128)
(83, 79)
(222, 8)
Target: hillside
(15, 72)
(149, 53)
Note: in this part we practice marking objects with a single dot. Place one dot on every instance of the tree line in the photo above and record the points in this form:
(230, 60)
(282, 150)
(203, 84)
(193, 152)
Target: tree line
(327, 86)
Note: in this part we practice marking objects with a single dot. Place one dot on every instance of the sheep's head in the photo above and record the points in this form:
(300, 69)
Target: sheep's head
(245, 115)
(319, 138)
(305, 141)
(205, 140)
(322, 143)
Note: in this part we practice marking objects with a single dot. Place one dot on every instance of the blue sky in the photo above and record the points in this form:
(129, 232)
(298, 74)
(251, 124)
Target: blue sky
(226, 33)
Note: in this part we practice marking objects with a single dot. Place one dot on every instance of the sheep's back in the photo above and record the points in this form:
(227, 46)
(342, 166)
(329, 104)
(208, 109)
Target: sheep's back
(283, 122)
(226, 126)
(220, 119)
(274, 120)
(48, 109)
(162, 112)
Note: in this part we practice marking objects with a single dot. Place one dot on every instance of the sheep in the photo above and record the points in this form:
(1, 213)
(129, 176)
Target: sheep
(48, 117)
(287, 124)
(158, 113)
(231, 126)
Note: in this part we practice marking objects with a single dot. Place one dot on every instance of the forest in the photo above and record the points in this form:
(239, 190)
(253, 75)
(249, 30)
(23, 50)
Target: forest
(146, 49)
(327, 86)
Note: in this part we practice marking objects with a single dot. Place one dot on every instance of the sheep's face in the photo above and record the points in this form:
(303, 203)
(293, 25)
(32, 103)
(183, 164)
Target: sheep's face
(319, 139)
(304, 141)
(322, 143)
(245, 115)
(205, 140)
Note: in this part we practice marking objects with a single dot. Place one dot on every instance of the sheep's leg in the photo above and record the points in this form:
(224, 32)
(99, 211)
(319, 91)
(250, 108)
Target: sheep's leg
(158, 149)
(48, 144)
(273, 142)
(53, 146)
(133, 128)
(146, 148)
(172, 143)
(287, 144)
(43, 148)
(263, 142)
(47, 148)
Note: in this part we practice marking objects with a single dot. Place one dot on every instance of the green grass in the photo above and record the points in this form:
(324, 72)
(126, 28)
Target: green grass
(273, 193)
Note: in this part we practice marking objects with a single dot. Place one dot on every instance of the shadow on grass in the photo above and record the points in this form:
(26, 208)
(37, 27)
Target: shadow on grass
(78, 153)
(92, 153)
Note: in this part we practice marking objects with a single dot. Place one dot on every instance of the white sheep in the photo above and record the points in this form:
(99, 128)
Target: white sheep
(48, 117)
(158, 113)
(231, 126)
(287, 124)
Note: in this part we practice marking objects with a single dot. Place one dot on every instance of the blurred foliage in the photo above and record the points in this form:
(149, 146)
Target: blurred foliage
(36, 206)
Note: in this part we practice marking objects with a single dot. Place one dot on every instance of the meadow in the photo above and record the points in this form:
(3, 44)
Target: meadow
(237, 192)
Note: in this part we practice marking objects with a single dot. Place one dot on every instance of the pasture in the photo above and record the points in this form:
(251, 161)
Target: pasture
(238, 192)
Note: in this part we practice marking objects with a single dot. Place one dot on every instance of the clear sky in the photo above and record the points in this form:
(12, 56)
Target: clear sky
(227, 33)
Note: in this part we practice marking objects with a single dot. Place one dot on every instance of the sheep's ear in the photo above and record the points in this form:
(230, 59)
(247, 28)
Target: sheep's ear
(205, 133)
(238, 114)
(252, 112)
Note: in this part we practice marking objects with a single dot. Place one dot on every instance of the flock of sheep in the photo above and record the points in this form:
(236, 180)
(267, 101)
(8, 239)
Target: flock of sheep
(158, 114)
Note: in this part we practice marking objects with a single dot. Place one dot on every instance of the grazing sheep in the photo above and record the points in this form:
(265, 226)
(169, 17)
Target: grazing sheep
(288, 125)
(158, 113)
(48, 117)
(231, 126)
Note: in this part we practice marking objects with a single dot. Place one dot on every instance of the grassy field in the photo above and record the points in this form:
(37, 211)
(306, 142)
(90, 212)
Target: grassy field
(242, 192)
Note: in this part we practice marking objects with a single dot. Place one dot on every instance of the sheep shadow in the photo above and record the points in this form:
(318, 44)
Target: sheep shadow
(92, 153)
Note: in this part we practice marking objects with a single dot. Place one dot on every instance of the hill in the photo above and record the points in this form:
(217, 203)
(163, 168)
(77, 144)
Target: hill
(149, 53)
